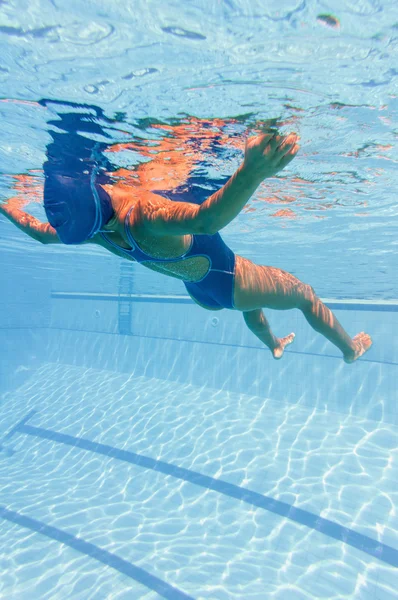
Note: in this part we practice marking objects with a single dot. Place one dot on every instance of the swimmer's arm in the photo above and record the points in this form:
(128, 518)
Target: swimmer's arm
(42, 232)
(163, 217)
(265, 155)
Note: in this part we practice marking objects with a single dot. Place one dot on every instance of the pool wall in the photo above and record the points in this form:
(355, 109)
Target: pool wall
(109, 324)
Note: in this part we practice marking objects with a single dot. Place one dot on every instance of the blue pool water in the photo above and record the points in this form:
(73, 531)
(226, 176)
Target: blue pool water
(148, 448)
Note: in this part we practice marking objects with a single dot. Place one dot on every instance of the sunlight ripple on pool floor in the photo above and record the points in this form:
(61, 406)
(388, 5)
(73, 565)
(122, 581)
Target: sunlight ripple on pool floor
(207, 544)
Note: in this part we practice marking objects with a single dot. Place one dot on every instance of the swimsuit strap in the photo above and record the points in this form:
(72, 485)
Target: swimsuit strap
(128, 251)
(142, 256)
(135, 251)
(128, 231)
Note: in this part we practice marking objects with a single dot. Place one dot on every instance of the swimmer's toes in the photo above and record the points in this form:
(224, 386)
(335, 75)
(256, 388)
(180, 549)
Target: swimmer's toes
(288, 339)
(364, 340)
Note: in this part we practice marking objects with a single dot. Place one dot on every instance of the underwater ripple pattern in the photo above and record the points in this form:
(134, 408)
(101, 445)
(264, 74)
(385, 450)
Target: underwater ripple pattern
(210, 546)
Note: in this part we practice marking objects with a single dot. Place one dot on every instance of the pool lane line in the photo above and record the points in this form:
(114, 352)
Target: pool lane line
(103, 556)
(370, 546)
(19, 425)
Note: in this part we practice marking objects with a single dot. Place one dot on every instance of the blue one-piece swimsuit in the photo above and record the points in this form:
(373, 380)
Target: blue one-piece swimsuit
(216, 288)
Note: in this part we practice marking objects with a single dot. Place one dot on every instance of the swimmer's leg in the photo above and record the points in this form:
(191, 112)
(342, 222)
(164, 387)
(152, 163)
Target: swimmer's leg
(260, 286)
(258, 324)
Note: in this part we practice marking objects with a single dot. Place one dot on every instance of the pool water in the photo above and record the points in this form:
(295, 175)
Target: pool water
(148, 448)
(118, 462)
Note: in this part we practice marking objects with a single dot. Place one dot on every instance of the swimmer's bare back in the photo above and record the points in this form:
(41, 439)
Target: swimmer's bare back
(163, 229)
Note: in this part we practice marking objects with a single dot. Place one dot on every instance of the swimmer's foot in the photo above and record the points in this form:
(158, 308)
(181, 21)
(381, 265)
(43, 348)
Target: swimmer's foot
(280, 345)
(362, 342)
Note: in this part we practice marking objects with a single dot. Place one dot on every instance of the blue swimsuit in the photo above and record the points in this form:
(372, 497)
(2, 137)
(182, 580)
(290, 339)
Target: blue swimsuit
(216, 288)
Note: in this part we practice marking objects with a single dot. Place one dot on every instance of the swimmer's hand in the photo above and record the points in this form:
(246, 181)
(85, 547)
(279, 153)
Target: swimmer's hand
(267, 154)
(41, 232)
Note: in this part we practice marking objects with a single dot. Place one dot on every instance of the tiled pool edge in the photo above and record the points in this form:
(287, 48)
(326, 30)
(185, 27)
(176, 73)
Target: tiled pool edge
(332, 303)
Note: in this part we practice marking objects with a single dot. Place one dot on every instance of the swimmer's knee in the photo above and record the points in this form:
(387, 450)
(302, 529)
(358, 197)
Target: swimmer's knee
(307, 297)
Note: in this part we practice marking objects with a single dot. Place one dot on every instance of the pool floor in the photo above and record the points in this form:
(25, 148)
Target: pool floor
(118, 487)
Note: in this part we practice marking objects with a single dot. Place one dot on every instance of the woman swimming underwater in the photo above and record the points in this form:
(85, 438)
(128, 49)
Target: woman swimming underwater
(181, 239)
